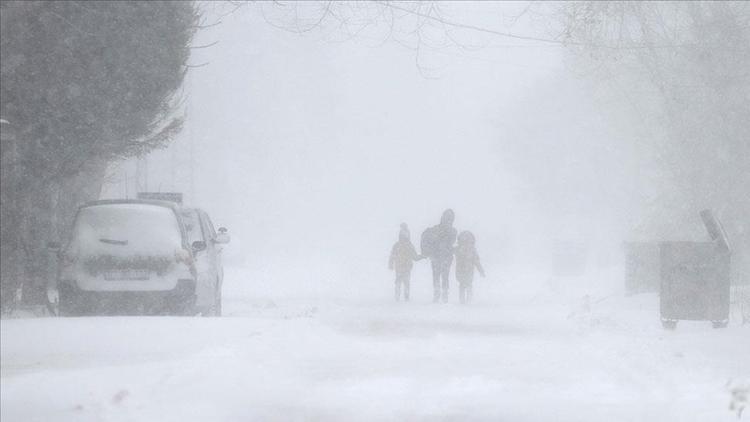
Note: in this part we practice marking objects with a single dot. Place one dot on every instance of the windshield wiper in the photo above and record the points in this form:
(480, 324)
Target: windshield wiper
(114, 242)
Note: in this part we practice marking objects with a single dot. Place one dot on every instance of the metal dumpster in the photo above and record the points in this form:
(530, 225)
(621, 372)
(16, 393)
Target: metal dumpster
(695, 278)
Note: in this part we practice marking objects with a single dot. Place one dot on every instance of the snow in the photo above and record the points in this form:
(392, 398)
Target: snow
(147, 229)
(526, 350)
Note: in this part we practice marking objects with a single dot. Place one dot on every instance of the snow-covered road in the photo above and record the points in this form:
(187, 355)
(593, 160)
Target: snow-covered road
(514, 357)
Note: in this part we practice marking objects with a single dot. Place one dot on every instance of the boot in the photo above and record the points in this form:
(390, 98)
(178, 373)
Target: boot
(445, 295)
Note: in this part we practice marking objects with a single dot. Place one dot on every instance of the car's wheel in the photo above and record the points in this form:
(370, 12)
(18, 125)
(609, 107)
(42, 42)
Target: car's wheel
(182, 300)
(182, 306)
(215, 309)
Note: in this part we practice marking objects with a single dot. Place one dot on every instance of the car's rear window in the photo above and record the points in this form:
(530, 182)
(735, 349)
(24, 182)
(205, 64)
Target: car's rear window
(126, 230)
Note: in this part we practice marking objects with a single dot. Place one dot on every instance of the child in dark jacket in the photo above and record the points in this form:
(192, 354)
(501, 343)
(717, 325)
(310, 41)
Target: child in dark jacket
(466, 259)
(402, 260)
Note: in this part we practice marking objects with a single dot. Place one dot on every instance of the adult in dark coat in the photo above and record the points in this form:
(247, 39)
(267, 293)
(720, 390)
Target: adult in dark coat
(437, 243)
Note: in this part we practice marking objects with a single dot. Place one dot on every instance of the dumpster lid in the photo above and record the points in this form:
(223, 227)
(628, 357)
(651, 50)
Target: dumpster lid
(715, 230)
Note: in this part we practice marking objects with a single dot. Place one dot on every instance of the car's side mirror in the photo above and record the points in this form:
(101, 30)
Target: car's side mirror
(222, 238)
(54, 246)
(198, 246)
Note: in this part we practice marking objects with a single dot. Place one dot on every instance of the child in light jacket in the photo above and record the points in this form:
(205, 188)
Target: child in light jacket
(402, 260)
(466, 259)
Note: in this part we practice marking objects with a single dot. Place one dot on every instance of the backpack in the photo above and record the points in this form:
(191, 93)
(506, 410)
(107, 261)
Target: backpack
(428, 241)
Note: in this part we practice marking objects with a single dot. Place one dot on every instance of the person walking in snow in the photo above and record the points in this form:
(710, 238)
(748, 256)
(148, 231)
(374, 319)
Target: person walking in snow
(437, 244)
(466, 259)
(402, 260)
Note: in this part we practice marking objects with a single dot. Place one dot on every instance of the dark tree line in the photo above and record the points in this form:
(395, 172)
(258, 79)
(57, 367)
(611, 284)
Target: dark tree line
(82, 84)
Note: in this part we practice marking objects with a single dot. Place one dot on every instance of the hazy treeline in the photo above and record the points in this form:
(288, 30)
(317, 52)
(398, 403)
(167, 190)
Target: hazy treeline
(671, 76)
(681, 69)
(83, 84)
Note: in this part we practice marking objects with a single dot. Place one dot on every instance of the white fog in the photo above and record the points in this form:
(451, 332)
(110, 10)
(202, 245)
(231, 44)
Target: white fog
(595, 156)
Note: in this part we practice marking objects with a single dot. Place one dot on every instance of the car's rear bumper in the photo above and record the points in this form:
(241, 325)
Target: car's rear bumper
(180, 300)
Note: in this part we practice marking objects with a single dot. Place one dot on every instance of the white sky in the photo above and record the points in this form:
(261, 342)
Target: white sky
(313, 149)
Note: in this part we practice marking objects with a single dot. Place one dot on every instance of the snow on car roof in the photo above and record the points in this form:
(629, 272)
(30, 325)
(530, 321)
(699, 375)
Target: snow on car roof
(131, 201)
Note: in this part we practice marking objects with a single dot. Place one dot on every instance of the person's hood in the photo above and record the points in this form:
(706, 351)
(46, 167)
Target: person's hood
(447, 218)
(404, 234)
(466, 238)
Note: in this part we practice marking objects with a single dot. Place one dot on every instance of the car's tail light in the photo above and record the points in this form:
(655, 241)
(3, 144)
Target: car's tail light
(183, 256)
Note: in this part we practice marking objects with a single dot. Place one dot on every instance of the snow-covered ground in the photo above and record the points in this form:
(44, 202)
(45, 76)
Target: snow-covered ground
(523, 352)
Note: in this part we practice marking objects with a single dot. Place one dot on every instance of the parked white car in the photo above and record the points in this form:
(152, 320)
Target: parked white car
(206, 244)
(128, 256)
